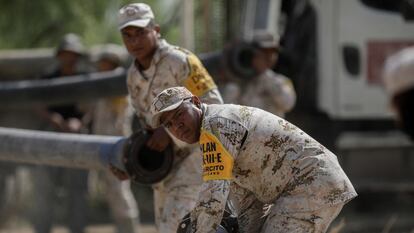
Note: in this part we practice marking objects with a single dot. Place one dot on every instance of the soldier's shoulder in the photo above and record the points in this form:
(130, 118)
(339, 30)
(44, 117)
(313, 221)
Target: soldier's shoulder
(174, 54)
(222, 121)
(271, 77)
(274, 75)
(228, 131)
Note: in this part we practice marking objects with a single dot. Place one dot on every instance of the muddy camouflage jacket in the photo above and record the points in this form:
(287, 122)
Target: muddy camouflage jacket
(261, 158)
(171, 66)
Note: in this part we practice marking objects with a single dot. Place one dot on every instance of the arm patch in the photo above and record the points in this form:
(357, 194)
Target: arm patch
(199, 81)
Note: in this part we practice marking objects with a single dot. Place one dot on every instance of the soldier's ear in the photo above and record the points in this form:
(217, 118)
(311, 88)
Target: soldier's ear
(157, 29)
(196, 101)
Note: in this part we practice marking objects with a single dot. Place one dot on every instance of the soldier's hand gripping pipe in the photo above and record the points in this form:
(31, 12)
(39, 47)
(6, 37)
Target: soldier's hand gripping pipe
(144, 165)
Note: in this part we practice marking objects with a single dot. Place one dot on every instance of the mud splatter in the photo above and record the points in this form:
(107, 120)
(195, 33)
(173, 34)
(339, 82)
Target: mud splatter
(333, 195)
(286, 125)
(232, 137)
(313, 218)
(275, 142)
(208, 207)
(278, 164)
(319, 152)
(245, 113)
(241, 172)
(265, 161)
(219, 125)
(304, 179)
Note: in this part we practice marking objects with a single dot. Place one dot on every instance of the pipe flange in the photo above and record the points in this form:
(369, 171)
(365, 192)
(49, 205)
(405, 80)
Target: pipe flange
(144, 165)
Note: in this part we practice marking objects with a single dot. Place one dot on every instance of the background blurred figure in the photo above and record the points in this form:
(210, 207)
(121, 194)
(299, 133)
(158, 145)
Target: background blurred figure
(53, 182)
(298, 58)
(267, 90)
(399, 83)
(109, 118)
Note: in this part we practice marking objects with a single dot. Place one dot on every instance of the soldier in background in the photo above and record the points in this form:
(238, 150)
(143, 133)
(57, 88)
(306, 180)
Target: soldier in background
(110, 118)
(399, 83)
(53, 183)
(267, 90)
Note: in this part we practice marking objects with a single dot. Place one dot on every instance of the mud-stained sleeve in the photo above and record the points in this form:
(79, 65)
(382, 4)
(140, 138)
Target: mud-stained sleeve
(250, 211)
(220, 142)
(207, 214)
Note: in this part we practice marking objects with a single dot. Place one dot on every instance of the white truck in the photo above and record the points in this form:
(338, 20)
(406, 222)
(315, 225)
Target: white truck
(354, 39)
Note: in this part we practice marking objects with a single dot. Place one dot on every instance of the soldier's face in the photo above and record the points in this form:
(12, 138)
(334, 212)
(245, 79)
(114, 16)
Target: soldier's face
(68, 59)
(140, 42)
(264, 59)
(184, 122)
(106, 65)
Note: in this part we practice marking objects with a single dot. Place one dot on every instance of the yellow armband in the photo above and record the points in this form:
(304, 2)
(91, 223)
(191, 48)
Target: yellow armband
(217, 161)
(199, 82)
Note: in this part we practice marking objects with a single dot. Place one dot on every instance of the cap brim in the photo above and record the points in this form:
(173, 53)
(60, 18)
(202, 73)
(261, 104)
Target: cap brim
(141, 23)
(268, 45)
(72, 50)
(156, 118)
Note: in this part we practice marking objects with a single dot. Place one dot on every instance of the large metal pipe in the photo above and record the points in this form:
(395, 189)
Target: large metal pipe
(23, 94)
(31, 93)
(130, 155)
(61, 149)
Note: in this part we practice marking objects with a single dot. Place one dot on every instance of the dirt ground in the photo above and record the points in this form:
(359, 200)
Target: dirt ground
(89, 229)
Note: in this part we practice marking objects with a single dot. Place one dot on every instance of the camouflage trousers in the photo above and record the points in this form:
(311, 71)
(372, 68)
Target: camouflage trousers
(177, 195)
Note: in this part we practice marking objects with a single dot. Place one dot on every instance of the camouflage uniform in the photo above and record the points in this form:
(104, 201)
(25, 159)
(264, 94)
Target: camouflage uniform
(268, 91)
(172, 66)
(109, 119)
(254, 158)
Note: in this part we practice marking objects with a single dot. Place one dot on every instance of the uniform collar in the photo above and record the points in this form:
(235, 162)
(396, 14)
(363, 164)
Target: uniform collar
(203, 112)
(159, 52)
(162, 47)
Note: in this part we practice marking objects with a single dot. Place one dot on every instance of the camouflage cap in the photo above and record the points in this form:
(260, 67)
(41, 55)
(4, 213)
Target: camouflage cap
(71, 42)
(399, 72)
(135, 14)
(265, 39)
(114, 53)
(168, 100)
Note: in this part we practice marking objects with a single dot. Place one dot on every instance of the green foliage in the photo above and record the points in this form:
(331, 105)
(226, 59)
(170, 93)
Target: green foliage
(210, 25)
(42, 23)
